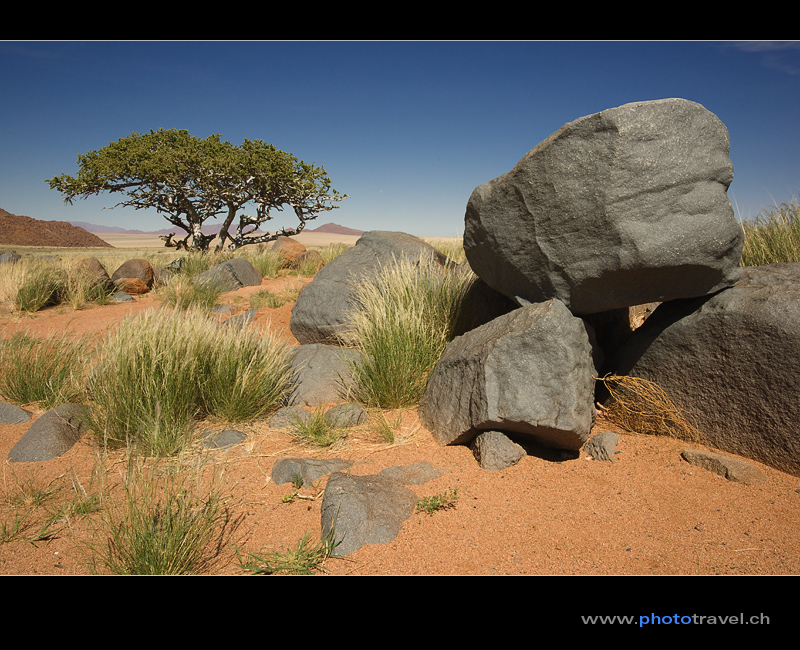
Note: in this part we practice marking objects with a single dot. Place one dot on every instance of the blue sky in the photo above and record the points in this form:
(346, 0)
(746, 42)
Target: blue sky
(406, 128)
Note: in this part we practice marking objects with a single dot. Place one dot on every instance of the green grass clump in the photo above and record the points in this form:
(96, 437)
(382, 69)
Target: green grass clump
(165, 522)
(304, 559)
(161, 370)
(405, 316)
(42, 284)
(45, 371)
(773, 236)
(316, 431)
(181, 292)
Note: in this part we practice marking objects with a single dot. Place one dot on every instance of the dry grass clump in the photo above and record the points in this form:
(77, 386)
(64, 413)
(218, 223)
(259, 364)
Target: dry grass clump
(641, 406)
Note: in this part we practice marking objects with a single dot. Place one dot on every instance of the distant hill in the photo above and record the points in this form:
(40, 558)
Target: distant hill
(212, 229)
(336, 229)
(25, 231)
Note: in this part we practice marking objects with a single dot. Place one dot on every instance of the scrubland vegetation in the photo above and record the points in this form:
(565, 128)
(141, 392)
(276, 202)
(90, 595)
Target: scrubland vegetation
(151, 380)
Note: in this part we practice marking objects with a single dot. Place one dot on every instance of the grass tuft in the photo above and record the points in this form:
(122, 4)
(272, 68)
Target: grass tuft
(406, 314)
(45, 371)
(773, 236)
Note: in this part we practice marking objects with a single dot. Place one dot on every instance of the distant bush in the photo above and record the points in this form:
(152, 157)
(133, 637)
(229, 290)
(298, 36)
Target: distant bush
(773, 236)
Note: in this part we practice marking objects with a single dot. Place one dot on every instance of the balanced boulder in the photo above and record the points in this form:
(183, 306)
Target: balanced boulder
(730, 363)
(528, 372)
(624, 207)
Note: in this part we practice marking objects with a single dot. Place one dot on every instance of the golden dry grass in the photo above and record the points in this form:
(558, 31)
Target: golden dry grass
(641, 406)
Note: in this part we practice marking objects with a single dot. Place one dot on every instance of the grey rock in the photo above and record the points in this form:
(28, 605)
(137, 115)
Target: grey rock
(733, 469)
(231, 275)
(415, 474)
(52, 435)
(10, 257)
(346, 415)
(241, 320)
(288, 416)
(730, 363)
(310, 470)
(528, 372)
(602, 446)
(94, 269)
(321, 374)
(13, 414)
(122, 296)
(495, 451)
(321, 313)
(222, 439)
(364, 510)
(620, 208)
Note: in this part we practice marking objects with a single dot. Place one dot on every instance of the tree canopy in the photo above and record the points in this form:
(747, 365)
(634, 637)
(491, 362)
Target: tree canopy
(189, 181)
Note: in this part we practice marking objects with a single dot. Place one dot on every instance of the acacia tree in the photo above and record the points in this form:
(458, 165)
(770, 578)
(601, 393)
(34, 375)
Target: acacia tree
(189, 181)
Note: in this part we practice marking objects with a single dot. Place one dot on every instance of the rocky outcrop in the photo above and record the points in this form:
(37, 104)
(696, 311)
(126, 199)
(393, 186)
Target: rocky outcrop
(321, 313)
(624, 207)
(528, 372)
(730, 362)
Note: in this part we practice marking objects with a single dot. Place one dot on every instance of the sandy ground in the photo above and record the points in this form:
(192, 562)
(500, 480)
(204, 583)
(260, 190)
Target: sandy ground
(647, 513)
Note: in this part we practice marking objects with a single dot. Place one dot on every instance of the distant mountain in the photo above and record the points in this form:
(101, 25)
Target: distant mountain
(26, 231)
(336, 229)
(212, 229)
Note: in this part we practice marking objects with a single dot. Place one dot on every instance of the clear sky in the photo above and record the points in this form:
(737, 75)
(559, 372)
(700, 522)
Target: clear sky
(406, 128)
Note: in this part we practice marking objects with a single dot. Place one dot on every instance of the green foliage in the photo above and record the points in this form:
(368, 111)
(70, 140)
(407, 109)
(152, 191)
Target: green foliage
(267, 298)
(191, 180)
(43, 371)
(429, 505)
(406, 314)
(304, 559)
(773, 236)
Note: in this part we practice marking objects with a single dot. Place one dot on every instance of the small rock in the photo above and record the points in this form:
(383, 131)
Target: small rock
(733, 469)
(13, 414)
(52, 435)
(602, 445)
(288, 416)
(346, 415)
(222, 439)
(364, 510)
(310, 470)
(494, 450)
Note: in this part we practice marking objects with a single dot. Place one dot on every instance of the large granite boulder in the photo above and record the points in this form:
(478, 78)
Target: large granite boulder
(731, 362)
(321, 313)
(624, 207)
(528, 372)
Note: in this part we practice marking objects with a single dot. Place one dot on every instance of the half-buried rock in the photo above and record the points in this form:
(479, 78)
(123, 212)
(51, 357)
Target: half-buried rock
(52, 435)
(528, 372)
